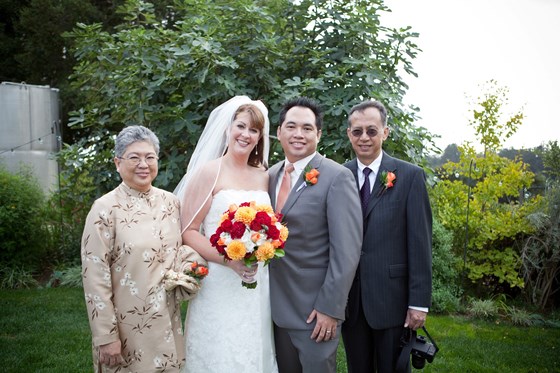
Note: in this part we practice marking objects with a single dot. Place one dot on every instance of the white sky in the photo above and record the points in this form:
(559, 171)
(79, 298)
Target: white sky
(468, 42)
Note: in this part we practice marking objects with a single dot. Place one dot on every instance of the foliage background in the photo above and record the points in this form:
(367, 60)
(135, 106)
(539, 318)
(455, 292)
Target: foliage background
(168, 73)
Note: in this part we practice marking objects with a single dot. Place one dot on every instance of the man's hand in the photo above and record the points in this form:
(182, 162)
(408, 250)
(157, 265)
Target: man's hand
(110, 354)
(325, 328)
(415, 319)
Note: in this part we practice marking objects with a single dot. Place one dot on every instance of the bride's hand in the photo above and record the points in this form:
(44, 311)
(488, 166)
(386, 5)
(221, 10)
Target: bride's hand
(247, 274)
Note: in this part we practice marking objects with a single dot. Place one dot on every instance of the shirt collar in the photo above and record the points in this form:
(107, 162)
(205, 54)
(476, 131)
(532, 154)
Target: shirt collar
(300, 165)
(374, 166)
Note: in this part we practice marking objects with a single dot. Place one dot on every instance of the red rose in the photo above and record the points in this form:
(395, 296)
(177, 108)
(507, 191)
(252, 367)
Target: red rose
(215, 237)
(226, 225)
(237, 230)
(273, 232)
(263, 218)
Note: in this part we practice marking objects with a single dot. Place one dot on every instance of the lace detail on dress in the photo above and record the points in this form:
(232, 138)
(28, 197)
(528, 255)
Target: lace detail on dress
(228, 327)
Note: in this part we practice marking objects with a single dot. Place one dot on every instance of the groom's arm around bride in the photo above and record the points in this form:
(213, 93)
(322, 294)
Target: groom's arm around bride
(310, 285)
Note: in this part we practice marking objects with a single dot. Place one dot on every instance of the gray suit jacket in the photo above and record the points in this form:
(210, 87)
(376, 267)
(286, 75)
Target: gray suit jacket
(396, 265)
(323, 246)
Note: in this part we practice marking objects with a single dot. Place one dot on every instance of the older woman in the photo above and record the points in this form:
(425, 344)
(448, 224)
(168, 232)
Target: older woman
(131, 241)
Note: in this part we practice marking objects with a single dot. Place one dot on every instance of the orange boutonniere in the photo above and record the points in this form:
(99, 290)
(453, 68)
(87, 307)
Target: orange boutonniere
(311, 176)
(388, 180)
(197, 271)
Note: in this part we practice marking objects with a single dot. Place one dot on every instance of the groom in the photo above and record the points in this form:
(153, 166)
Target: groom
(321, 207)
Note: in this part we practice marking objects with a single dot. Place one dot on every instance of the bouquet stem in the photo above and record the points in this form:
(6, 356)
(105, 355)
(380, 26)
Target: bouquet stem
(249, 285)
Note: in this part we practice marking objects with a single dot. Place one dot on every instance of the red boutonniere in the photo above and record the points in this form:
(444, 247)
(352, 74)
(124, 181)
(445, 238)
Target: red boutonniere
(388, 180)
(311, 176)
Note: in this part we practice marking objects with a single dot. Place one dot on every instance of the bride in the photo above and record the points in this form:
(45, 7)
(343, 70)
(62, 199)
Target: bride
(228, 327)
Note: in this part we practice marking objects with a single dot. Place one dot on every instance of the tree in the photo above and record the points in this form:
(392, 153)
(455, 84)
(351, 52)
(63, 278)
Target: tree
(169, 77)
(551, 161)
(487, 115)
(541, 252)
(482, 198)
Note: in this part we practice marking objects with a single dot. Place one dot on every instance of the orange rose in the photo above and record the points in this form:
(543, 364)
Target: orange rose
(255, 236)
(390, 178)
(284, 233)
(202, 271)
(312, 176)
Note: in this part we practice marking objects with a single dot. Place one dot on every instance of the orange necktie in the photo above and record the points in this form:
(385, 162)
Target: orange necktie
(285, 187)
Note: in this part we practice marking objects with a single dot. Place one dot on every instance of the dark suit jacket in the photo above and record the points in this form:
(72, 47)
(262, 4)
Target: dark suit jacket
(395, 268)
(323, 246)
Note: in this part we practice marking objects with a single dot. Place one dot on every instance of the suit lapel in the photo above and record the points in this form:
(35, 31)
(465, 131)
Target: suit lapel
(353, 166)
(387, 164)
(300, 185)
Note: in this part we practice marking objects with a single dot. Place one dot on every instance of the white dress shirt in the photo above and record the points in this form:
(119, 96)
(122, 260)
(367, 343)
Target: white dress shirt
(299, 166)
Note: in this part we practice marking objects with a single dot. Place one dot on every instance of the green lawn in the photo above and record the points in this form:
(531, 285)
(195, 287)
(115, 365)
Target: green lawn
(46, 330)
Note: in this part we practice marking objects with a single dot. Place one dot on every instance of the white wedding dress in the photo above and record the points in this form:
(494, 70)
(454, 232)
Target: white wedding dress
(229, 327)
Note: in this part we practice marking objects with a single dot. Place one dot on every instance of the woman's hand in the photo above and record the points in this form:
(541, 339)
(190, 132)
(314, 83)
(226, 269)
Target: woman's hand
(247, 274)
(110, 354)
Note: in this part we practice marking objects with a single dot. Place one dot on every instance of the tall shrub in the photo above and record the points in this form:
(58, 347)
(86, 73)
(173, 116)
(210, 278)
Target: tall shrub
(446, 290)
(22, 238)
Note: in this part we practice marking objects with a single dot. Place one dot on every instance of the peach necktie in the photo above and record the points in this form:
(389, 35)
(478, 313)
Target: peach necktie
(285, 187)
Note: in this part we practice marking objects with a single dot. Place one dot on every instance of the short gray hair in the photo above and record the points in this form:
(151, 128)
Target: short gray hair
(362, 106)
(133, 134)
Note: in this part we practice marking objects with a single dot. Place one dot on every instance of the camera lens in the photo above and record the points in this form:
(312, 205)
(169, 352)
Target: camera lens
(418, 362)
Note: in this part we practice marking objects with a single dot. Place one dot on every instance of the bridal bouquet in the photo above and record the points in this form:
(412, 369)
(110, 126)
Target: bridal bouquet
(252, 233)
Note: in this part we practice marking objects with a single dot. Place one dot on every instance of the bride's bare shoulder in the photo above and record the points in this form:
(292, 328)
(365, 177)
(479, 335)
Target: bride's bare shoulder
(208, 171)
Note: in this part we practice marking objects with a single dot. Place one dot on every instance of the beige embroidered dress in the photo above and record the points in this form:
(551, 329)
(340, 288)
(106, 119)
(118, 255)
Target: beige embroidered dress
(130, 241)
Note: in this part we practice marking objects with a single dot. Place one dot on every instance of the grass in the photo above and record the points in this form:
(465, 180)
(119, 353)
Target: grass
(46, 330)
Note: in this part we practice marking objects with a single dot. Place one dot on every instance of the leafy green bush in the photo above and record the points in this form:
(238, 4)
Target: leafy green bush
(16, 278)
(168, 74)
(446, 291)
(66, 212)
(483, 308)
(22, 233)
(70, 277)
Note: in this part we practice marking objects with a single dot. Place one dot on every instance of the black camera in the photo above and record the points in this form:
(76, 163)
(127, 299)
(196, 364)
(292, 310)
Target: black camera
(418, 347)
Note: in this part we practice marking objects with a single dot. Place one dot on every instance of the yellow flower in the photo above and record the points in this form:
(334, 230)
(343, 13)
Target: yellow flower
(265, 208)
(236, 250)
(245, 214)
(284, 233)
(224, 217)
(265, 252)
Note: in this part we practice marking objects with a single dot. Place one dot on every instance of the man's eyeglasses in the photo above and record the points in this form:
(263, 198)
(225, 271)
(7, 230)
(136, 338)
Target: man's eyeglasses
(134, 160)
(371, 132)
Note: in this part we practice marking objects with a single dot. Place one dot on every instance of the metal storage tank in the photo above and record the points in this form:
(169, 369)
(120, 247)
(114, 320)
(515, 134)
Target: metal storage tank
(30, 130)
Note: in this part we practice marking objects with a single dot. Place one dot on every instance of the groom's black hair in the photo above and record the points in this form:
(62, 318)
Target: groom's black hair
(304, 102)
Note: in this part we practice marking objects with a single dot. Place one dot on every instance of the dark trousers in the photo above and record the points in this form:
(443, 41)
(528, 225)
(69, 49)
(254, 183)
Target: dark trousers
(371, 350)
